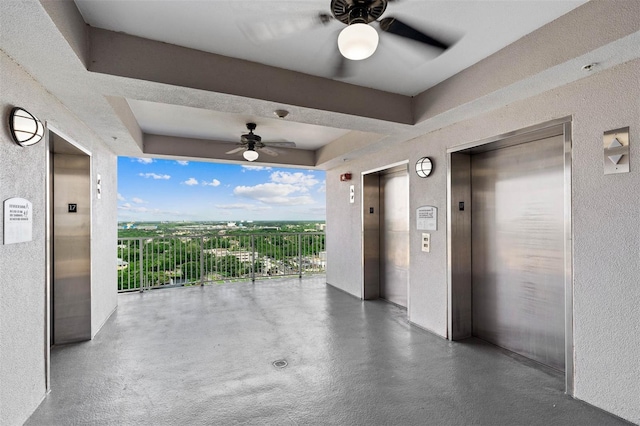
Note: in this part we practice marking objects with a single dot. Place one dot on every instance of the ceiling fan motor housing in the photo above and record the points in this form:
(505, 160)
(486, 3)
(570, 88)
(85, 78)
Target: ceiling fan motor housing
(251, 138)
(357, 11)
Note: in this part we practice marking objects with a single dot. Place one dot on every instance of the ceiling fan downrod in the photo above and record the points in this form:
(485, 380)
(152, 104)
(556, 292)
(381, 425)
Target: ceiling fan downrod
(357, 11)
(358, 15)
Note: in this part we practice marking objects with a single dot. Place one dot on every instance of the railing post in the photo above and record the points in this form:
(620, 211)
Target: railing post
(141, 262)
(201, 261)
(299, 255)
(253, 258)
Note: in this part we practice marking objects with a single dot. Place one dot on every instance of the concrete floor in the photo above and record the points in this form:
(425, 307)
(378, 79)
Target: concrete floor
(203, 356)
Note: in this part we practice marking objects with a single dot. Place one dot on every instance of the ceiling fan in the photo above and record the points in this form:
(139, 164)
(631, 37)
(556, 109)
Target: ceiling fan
(359, 39)
(250, 142)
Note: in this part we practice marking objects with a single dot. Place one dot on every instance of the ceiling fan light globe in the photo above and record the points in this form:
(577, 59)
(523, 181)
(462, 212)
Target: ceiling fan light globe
(250, 155)
(358, 41)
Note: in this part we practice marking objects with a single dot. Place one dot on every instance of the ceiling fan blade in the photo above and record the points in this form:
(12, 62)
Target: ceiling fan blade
(341, 67)
(238, 149)
(260, 32)
(399, 28)
(269, 151)
(282, 144)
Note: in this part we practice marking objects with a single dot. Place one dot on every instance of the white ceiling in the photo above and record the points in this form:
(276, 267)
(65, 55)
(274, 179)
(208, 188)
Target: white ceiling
(399, 66)
(124, 99)
(174, 120)
(287, 35)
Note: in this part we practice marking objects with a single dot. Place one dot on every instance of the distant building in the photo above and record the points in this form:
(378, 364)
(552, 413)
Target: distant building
(121, 264)
(217, 251)
(242, 256)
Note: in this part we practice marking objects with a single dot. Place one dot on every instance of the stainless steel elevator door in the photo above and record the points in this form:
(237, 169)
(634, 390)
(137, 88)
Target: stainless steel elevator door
(71, 236)
(518, 249)
(394, 237)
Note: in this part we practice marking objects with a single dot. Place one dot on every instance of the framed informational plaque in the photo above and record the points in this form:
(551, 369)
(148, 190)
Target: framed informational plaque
(427, 218)
(18, 220)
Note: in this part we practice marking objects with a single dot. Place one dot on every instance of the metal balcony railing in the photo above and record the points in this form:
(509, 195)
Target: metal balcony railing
(145, 263)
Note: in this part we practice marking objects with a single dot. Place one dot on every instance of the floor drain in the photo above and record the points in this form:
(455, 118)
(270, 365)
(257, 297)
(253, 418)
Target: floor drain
(281, 363)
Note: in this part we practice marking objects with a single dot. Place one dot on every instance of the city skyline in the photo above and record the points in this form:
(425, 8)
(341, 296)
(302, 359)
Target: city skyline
(151, 189)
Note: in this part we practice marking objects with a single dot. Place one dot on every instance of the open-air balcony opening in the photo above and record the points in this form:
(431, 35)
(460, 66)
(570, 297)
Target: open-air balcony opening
(211, 258)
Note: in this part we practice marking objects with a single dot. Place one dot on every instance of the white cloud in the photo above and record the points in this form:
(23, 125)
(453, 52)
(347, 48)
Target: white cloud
(296, 178)
(155, 176)
(138, 200)
(121, 198)
(323, 186)
(274, 193)
(154, 212)
(190, 182)
(182, 162)
(144, 160)
(214, 182)
(241, 206)
(255, 168)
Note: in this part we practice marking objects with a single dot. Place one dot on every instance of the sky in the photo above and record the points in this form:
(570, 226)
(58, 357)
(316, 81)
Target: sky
(170, 190)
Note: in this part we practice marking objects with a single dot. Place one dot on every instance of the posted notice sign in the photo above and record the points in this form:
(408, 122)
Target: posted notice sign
(427, 218)
(18, 221)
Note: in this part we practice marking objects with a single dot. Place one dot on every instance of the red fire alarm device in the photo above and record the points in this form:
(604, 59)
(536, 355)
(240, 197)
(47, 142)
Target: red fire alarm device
(345, 177)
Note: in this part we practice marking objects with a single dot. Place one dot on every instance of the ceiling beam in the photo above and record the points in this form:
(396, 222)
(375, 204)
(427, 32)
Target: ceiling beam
(558, 42)
(137, 58)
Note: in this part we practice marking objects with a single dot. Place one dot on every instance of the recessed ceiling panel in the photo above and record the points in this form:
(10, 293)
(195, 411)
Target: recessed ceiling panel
(287, 34)
(180, 121)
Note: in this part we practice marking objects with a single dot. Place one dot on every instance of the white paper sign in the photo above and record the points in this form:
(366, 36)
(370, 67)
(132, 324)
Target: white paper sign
(427, 218)
(18, 220)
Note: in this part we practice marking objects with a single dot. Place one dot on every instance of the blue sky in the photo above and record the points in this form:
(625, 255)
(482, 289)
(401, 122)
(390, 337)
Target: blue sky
(170, 190)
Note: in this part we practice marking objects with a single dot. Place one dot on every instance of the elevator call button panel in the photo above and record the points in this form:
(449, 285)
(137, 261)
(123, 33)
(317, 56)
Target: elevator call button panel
(616, 151)
(426, 243)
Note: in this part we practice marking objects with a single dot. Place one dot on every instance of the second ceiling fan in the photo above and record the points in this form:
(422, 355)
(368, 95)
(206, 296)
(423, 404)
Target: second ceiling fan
(250, 143)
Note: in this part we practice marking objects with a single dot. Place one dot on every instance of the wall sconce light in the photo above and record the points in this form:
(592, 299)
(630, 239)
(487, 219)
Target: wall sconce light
(26, 130)
(345, 177)
(424, 166)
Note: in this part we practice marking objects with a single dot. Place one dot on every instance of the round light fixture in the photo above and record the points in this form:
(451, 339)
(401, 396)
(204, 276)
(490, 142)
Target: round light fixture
(250, 155)
(281, 113)
(358, 41)
(26, 129)
(424, 166)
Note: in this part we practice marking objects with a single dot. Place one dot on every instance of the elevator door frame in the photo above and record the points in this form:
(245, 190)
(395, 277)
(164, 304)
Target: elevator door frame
(370, 196)
(49, 148)
(459, 275)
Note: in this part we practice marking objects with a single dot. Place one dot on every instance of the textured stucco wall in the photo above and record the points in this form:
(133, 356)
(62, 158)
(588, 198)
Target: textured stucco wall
(22, 266)
(606, 228)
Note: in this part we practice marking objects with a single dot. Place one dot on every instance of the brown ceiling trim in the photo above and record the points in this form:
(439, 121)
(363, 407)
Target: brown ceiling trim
(143, 59)
(568, 37)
